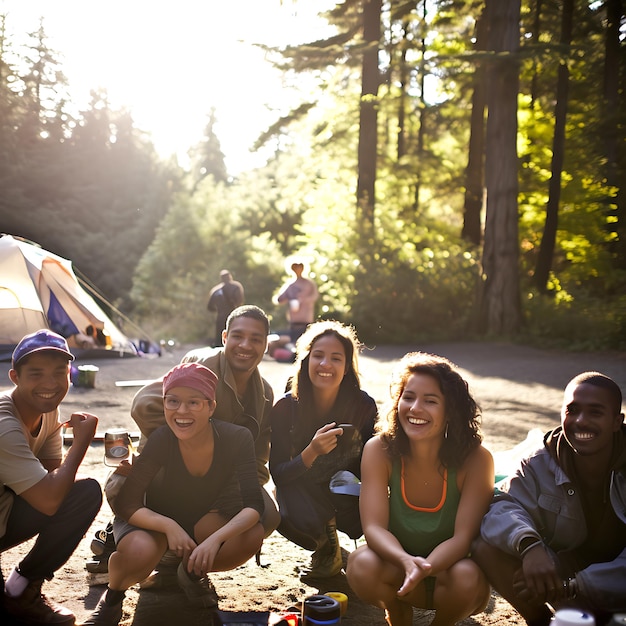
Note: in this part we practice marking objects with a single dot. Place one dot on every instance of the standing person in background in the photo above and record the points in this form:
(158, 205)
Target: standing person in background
(300, 295)
(557, 535)
(223, 298)
(427, 481)
(40, 493)
(318, 429)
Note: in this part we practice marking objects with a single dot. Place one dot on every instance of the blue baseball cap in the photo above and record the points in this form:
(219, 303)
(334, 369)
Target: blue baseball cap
(43, 339)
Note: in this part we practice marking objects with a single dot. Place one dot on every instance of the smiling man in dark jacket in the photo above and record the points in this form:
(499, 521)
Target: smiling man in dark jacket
(557, 537)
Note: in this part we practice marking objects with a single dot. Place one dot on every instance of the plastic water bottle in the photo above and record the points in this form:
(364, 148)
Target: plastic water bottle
(320, 611)
(573, 617)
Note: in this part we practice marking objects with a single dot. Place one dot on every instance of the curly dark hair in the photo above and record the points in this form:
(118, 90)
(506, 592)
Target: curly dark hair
(462, 412)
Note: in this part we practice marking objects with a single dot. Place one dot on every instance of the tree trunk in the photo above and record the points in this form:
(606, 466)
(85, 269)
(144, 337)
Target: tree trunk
(474, 175)
(421, 130)
(404, 74)
(368, 119)
(548, 240)
(500, 303)
(613, 137)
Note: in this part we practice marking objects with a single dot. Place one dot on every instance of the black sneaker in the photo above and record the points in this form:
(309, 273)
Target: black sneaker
(199, 591)
(105, 614)
(33, 608)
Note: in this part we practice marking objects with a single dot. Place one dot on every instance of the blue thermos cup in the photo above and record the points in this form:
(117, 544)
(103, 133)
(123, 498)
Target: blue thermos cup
(320, 611)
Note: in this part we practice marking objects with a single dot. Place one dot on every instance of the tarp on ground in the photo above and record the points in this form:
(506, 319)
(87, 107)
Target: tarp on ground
(39, 289)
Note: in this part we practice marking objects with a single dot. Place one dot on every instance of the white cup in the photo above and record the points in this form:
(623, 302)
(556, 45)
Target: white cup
(573, 617)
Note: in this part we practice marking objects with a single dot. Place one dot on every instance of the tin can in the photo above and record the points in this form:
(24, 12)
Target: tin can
(117, 446)
(573, 617)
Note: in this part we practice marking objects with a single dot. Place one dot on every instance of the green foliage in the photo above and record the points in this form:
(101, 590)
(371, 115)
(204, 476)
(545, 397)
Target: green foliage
(414, 281)
(89, 187)
(92, 188)
(577, 321)
(201, 235)
(207, 156)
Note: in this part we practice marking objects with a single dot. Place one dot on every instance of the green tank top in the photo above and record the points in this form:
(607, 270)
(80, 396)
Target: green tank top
(418, 530)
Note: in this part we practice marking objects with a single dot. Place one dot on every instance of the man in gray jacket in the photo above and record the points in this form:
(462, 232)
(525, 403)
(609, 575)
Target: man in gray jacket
(557, 537)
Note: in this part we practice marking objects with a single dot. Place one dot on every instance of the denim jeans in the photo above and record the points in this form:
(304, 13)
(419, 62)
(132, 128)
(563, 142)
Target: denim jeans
(58, 534)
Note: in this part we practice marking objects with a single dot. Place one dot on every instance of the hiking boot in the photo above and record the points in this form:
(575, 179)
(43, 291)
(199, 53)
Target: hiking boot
(326, 561)
(32, 607)
(199, 590)
(105, 614)
(323, 566)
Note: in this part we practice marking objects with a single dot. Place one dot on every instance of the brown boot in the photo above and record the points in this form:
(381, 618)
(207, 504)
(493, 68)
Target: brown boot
(326, 561)
(34, 608)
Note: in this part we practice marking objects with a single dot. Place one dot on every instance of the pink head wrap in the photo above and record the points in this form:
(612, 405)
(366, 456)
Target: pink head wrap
(192, 375)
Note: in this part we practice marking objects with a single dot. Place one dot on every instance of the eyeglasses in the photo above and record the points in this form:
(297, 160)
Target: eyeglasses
(172, 403)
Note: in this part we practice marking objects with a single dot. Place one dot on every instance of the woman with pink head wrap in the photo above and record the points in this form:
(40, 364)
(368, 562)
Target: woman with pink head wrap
(192, 491)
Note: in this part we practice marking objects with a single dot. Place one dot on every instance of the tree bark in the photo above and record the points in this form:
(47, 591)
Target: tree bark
(475, 172)
(368, 118)
(613, 137)
(500, 303)
(548, 240)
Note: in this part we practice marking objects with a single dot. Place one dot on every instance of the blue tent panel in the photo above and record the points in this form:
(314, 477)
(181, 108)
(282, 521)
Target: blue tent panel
(58, 319)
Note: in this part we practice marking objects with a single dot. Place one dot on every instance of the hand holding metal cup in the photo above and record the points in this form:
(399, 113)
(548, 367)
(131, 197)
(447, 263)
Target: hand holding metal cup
(118, 446)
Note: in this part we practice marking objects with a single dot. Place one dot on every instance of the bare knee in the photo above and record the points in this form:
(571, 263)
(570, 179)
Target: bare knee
(139, 549)
(465, 584)
(362, 570)
(373, 580)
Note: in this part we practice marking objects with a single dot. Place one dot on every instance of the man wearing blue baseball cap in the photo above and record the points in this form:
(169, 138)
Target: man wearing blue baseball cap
(40, 495)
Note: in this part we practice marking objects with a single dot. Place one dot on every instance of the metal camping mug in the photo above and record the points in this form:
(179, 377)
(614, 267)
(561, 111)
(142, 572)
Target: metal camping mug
(320, 611)
(117, 446)
(572, 617)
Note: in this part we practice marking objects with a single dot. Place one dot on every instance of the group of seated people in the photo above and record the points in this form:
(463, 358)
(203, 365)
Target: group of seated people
(437, 535)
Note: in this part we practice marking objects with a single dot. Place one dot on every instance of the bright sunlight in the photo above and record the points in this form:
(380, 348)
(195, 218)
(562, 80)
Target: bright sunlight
(169, 63)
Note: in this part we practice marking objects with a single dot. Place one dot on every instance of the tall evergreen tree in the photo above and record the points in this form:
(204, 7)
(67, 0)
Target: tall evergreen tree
(546, 249)
(368, 112)
(475, 173)
(207, 157)
(501, 307)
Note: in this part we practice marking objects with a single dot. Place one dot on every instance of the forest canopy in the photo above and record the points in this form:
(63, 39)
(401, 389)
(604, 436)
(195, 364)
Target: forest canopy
(454, 170)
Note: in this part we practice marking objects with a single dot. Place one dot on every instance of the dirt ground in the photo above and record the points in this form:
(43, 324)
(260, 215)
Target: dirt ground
(519, 389)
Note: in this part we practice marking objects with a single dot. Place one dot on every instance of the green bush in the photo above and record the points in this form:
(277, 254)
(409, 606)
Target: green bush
(576, 322)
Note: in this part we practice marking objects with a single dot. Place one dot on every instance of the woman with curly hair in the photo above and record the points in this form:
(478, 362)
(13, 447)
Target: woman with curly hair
(318, 429)
(427, 481)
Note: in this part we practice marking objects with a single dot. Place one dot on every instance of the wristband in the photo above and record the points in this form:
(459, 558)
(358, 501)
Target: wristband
(529, 547)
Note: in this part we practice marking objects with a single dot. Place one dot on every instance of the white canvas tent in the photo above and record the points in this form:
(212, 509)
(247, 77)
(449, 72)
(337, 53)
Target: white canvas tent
(39, 289)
